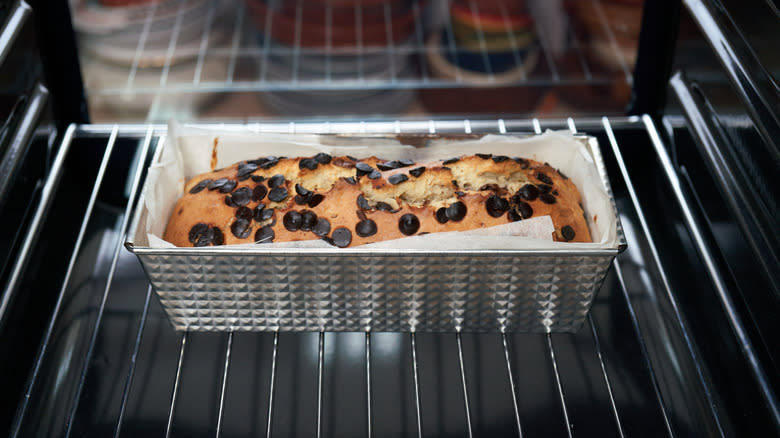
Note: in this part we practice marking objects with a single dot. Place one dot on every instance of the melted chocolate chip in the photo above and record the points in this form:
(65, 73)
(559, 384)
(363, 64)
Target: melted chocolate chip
(398, 178)
(524, 209)
(299, 189)
(259, 192)
(217, 183)
(242, 196)
(485, 156)
(555, 192)
(197, 231)
(322, 158)
(266, 214)
(406, 162)
(308, 163)
(243, 178)
(269, 163)
(455, 183)
(229, 201)
(492, 187)
(529, 192)
(292, 221)
(563, 175)
(416, 172)
(363, 203)
(451, 161)
(365, 228)
(496, 206)
(322, 227)
(228, 186)
(258, 178)
(244, 169)
(544, 188)
(360, 215)
(276, 181)
(264, 235)
(309, 219)
(257, 213)
(441, 215)
(241, 228)
(389, 165)
(383, 206)
(315, 200)
(541, 176)
(362, 169)
(219, 238)
(302, 200)
(408, 224)
(460, 194)
(205, 239)
(567, 232)
(351, 180)
(352, 158)
(374, 174)
(522, 162)
(547, 198)
(340, 162)
(200, 186)
(500, 158)
(341, 237)
(278, 194)
(513, 216)
(244, 213)
(457, 211)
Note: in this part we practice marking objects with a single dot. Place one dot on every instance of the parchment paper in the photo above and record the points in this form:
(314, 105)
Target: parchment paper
(188, 152)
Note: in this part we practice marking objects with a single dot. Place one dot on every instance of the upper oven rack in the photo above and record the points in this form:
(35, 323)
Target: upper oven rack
(245, 52)
(632, 369)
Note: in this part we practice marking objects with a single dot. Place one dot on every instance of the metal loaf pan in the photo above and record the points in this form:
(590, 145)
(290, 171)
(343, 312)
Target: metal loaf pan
(266, 289)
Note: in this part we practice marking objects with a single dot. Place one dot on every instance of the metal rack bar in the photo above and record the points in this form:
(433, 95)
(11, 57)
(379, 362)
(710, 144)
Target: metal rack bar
(368, 384)
(418, 31)
(482, 42)
(451, 42)
(359, 40)
(176, 381)
(558, 384)
(141, 44)
(266, 42)
(513, 42)
(545, 50)
(417, 402)
(320, 369)
(466, 402)
(612, 40)
(576, 44)
(172, 45)
(235, 42)
(390, 44)
(512, 386)
(612, 403)
(140, 166)
(297, 45)
(204, 42)
(224, 383)
(272, 388)
(328, 40)
(58, 305)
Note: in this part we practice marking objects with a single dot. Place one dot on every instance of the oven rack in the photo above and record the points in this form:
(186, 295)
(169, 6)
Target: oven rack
(245, 51)
(110, 364)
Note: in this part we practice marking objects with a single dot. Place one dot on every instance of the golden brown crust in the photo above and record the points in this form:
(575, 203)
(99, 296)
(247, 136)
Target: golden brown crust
(494, 191)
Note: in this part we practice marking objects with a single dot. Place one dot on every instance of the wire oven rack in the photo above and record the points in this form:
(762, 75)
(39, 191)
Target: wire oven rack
(245, 51)
(110, 364)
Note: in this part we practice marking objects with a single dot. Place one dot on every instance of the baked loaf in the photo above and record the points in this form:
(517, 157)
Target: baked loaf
(349, 202)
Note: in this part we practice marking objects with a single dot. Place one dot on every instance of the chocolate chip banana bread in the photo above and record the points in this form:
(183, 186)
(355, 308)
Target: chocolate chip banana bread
(347, 201)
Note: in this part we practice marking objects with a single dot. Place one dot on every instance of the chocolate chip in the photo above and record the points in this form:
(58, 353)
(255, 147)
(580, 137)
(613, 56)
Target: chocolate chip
(228, 186)
(269, 162)
(500, 158)
(524, 209)
(315, 200)
(522, 162)
(259, 192)
(206, 238)
(460, 194)
(398, 178)
(264, 235)
(451, 161)
(406, 162)
(292, 220)
(200, 186)
(266, 214)
(299, 189)
(229, 201)
(219, 238)
(455, 183)
(341, 237)
(544, 188)
(408, 224)
(351, 180)
(416, 172)
(496, 206)
(383, 206)
(541, 176)
(492, 187)
(555, 192)
(244, 169)
(301, 200)
(529, 192)
(257, 161)
(363, 203)
(365, 228)
(217, 183)
(563, 175)
(485, 156)
(196, 231)
(244, 213)
(257, 213)
(567, 232)
(389, 165)
(352, 158)
(362, 169)
(445, 168)
(278, 194)
(242, 196)
(309, 219)
(241, 228)
(308, 163)
(322, 227)
(374, 174)
(258, 178)
(513, 215)
(276, 181)
(322, 158)
(441, 215)
(547, 198)
(456, 211)
(360, 215)
(340, 162)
